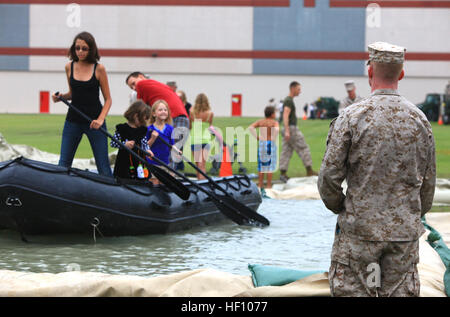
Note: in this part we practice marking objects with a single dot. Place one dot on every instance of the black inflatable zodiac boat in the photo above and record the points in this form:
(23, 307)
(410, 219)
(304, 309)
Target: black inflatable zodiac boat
(42, 198)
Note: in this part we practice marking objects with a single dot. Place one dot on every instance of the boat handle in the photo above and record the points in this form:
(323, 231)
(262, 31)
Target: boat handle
(13, 201)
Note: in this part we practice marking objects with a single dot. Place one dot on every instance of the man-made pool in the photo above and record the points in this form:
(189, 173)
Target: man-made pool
(300, 237)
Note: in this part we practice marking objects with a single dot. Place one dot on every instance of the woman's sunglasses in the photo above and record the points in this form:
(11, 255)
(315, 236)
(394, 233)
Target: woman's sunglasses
(80, 48)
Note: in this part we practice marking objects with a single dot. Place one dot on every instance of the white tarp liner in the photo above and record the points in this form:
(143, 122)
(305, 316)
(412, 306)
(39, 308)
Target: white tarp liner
(206, 282)
(301, 188)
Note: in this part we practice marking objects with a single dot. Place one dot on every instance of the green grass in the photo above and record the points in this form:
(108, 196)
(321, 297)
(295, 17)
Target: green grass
(43, 131)
(440, 209)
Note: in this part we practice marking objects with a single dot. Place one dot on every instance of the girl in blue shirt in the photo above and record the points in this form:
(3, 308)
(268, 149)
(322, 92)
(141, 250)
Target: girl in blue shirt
(160, 121)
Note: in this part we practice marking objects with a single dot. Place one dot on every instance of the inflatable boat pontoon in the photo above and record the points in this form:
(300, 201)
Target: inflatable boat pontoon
(42, 198)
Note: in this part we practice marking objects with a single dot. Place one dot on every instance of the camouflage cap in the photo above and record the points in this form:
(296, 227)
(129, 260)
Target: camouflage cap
(382, 52)
(349, 85)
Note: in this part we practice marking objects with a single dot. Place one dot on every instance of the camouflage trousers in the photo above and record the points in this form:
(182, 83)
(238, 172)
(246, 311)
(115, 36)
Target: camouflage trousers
(296, 143)
(369, 268)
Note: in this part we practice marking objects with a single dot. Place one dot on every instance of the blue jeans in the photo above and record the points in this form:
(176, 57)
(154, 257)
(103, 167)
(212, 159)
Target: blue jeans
(71, 137)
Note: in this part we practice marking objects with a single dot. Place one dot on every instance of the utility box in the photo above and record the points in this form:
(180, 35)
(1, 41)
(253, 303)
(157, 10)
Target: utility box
(236, 105)
(44, 102)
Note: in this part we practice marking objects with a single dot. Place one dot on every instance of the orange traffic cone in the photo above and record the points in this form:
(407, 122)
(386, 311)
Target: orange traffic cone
(225, 165)
(440, 121)
(304, 117)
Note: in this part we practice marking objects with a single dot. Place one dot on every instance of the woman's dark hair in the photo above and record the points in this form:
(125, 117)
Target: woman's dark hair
(93, 55)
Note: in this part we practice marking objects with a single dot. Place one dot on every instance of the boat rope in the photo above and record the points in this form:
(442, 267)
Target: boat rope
(95, 223)
(247, 180)
(229, 184)
(242, 181)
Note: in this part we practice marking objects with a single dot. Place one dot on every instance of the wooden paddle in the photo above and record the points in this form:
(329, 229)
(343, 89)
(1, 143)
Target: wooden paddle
(231, 203)
(171, 182)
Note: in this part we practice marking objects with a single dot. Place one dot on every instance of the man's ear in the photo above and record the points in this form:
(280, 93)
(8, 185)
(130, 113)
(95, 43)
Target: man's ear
(370, 71)
(402, 74)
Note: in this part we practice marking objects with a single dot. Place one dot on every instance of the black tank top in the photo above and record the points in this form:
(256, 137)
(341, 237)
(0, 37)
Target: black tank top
(85, 96)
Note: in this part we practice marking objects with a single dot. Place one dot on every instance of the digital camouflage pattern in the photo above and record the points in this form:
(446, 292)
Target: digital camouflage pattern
(353, 273)
(384, 147)
(349, 85)
(296, 143)
(382, 52)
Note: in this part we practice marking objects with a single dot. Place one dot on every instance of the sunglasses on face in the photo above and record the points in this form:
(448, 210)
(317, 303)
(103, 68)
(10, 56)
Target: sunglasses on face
(81, 48)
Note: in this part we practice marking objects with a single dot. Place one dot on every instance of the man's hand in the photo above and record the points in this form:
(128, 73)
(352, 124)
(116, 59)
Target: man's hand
(287, 135)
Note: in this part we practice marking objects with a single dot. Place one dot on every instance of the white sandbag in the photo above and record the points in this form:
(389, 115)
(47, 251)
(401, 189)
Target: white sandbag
(302, 188)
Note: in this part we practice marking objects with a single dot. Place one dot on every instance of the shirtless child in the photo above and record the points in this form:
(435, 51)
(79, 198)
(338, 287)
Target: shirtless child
(267, 149)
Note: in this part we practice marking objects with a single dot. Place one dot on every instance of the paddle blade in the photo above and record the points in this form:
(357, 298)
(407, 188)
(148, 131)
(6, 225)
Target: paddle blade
(253, 218)
(230, 213)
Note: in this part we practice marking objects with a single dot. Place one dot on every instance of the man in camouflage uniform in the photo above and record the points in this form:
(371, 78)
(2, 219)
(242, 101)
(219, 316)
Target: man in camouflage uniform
(351, 98)
(384, 148)
(293, 139)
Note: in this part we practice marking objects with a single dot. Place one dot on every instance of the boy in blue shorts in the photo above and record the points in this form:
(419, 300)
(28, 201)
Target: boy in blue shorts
(267, 149)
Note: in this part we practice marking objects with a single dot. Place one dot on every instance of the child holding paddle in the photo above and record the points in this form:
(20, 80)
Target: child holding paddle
(130, 134)
(160, 125)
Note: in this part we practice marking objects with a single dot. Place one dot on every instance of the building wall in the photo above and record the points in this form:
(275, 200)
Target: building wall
(14, 32)
(256, 89)
(251, 47)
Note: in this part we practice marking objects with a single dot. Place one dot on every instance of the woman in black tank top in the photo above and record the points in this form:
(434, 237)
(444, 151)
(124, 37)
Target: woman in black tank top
(86, 77)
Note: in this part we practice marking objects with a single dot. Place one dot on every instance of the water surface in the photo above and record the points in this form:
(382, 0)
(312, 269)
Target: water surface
(300, 237)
